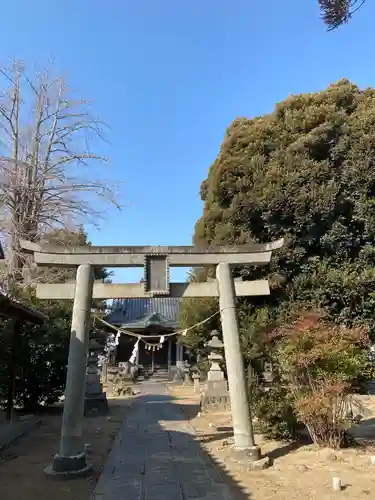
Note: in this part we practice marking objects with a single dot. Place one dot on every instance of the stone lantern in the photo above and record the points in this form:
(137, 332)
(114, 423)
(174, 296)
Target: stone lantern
(95, 399)
(215, 394)
(215, 347)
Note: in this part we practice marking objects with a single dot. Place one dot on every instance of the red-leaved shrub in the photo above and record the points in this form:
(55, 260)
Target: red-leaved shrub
(319, 363)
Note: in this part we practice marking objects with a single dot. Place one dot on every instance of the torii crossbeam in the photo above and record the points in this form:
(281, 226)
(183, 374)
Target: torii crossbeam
(156, 261)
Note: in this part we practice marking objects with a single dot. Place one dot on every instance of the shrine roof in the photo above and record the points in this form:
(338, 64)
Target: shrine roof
(143, 312)
(10, 308)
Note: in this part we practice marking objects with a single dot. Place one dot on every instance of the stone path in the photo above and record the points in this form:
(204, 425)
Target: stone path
(156, 457)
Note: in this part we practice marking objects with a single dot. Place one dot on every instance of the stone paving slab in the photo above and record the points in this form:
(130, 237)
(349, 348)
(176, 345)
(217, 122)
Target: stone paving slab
(156, 457)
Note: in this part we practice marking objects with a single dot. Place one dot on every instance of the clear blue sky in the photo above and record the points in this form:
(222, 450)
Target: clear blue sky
(170, 75)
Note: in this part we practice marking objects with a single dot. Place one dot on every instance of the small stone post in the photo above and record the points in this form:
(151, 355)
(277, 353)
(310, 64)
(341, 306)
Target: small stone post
(71, 459)
(196, 380)
(242, 424)
(187, 377)
(105, 371)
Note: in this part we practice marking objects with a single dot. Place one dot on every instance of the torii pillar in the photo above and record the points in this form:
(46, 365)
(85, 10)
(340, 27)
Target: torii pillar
(238, 390)
(71, 459)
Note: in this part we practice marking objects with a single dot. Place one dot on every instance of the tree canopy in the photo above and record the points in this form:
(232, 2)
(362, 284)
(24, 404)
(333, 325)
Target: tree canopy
(337, 12)
(305, 172)
(48, 140)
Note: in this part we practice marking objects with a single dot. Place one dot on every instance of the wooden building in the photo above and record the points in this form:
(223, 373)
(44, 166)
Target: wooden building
(12, 310)
(17, 313)
(148, 317)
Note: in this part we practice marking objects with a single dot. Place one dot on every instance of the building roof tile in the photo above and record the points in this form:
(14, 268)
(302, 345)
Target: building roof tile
(126, 311)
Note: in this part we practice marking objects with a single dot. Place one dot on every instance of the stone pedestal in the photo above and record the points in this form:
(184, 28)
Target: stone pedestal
(249, 459)
(215, 396)
(95, 399)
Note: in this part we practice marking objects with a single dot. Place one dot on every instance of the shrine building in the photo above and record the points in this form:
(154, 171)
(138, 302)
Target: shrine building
(154, 316)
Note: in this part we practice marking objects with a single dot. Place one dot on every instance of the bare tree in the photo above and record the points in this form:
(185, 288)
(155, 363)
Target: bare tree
(45, 138)
(338, 12)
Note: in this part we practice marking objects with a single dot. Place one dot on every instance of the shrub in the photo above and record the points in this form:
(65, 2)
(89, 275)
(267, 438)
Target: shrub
(326, 411)
(274, 413)
(320, 363)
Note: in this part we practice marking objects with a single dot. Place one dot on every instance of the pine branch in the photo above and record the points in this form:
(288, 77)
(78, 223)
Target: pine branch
(338, 12)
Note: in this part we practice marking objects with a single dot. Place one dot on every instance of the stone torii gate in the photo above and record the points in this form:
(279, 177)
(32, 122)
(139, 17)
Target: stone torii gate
(156, 261)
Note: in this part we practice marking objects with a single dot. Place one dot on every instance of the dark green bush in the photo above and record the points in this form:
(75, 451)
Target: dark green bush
(274, 414)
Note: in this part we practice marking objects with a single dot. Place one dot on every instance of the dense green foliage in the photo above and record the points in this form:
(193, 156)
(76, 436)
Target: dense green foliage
(274, 413)
(41, 354)
(305, 172)
(67, 238)
(194, 311)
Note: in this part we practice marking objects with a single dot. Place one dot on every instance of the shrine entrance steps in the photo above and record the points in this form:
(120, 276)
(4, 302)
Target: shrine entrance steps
(160, 375)
(157, 457)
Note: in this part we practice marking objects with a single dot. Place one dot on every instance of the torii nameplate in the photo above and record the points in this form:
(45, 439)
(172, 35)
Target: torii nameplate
(156, 274)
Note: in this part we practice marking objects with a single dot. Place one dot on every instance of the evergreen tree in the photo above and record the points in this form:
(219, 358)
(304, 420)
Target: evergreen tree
(305, 172)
